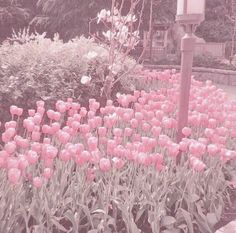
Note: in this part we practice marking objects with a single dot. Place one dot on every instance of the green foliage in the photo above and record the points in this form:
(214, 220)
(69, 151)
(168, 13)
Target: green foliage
(15, 14)
(39, 68)
(68, 18)
(209, 61)
(217, 27)
(71, 18)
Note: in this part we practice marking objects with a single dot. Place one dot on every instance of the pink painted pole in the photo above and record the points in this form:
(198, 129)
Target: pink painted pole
(187, 47)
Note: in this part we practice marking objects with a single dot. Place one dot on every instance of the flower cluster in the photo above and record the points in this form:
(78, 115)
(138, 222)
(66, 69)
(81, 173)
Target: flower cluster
(121, 31)
(122, 154)
(140, 130)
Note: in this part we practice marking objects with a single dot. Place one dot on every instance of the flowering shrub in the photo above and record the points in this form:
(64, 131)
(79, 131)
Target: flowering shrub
(113, 168)
(35, 68)
(122, 36)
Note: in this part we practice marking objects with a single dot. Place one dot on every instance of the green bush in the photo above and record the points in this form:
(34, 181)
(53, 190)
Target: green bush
(33, 67)
(209, 61)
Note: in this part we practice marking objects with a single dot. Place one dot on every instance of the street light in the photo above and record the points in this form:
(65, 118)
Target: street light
(190, 13)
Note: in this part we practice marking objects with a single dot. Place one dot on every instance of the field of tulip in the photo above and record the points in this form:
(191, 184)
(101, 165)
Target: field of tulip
(112, 167)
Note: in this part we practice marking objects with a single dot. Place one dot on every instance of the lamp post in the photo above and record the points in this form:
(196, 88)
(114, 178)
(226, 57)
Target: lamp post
(190, 13)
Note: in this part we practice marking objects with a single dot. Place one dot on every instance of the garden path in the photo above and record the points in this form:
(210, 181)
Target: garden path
(230, 227)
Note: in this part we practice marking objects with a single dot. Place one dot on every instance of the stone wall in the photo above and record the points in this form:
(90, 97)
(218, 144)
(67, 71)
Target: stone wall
(225, 77)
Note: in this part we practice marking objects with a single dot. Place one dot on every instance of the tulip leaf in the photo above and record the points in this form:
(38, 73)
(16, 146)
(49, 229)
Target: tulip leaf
(58, 225)
(188, 220)
(167, 220)
(212, 219)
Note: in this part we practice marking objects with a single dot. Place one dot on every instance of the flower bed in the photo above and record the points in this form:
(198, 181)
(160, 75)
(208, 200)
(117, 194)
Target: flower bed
(113, 168)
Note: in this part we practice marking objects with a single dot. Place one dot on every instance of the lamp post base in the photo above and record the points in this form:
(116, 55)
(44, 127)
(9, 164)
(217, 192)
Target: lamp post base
(187, 48)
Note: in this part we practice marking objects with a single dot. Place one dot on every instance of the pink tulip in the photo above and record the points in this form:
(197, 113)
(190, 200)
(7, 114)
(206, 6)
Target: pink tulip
(142, 159)
(48, 163)
(209, 132)
(32, 157)
(23, 163)
(139, 116)
(47, 173)
(84, 128)
(159, 167)
(46, 142)
(41, 110)
(29, 125)
(37, 118)
(83, 112)
(146, 127)
(83, 158)
(56, 116)
(111, 144)
(10, 132)
(197, 164)
(61, 106)
(10, 147)
(156, 131)
(134, 123)
(63, 137)
(12, 162)
(173, 150)
(64, 155)
(36, 146)
(167, 123)
(105, 165)
(31, 112)
(13, 110)
(117, 132)
(10, 124)
(103, 140)
(6, 138)
(204, 141)
(155, 122)
(46, 129)
(136, 137)
(128, 132)
(197, 149)
(50, 114)
(102, 131)
(183, 145)
(92, 143)
(212, 149)
(37, 182)
(40, 103)
(186, 131)
(95, 157)
(163, 140)
(118, 163)
(14, 175)
(212, 123)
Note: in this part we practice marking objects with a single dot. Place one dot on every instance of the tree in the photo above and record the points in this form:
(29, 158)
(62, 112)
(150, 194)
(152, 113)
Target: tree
(69, 18)
(231, 8)
(15, 15)
(216, 27)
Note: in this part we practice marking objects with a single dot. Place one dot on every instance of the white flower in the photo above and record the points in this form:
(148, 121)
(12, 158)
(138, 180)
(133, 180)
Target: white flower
(85, 79)
(115, 68)
(109, 35)
(118, 94)
(91, 55)
(103, 15)
(116, 11)
(130, 18)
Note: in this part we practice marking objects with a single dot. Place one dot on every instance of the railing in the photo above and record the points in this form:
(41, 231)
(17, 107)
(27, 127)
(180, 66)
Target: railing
(215, 49)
